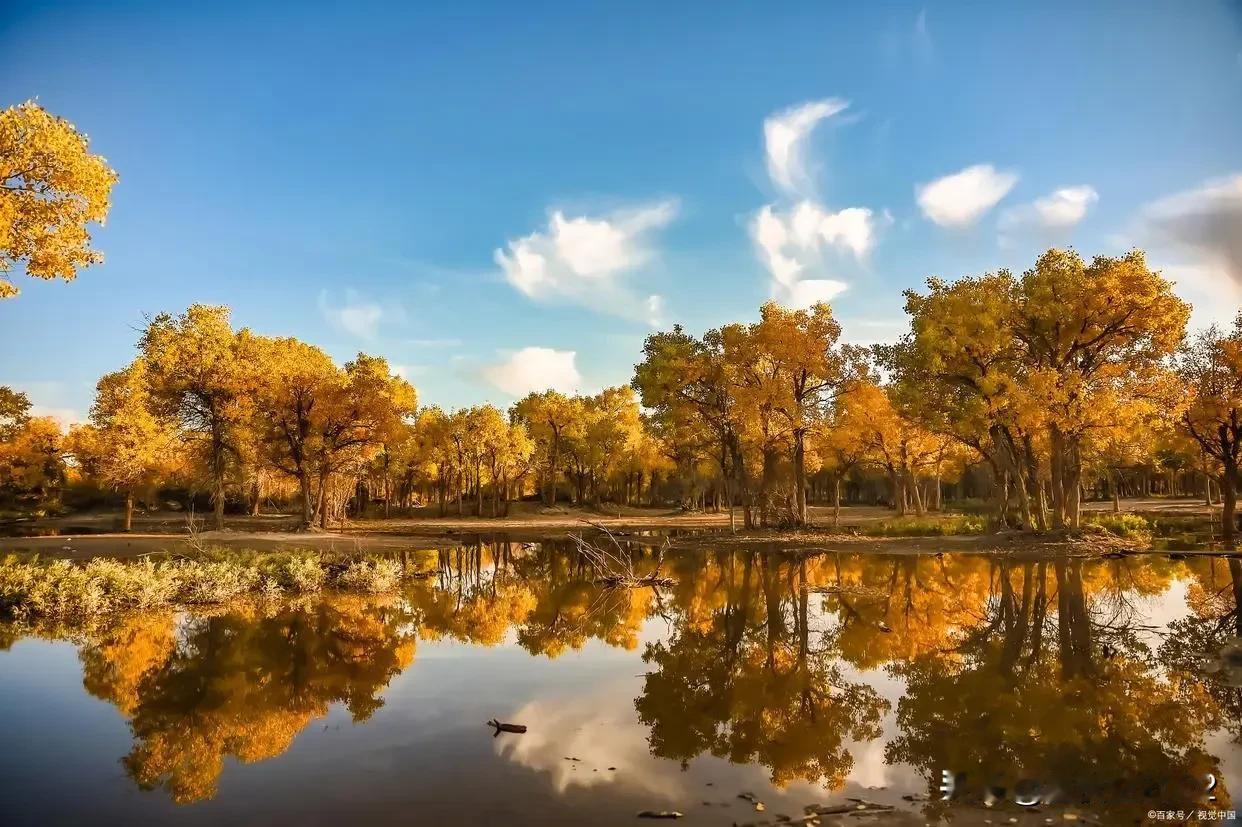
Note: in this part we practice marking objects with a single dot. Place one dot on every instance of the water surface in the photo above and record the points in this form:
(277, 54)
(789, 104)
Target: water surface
(1100, 687)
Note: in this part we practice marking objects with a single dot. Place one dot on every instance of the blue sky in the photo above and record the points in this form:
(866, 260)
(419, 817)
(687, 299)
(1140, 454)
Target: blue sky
(347, 173)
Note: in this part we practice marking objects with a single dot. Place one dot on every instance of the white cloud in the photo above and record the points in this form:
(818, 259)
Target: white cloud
(534, 369)
(655, 310)
(795, 245)
(960, 199)
(799, 239)
(1213, 294)
(582, 259)
(355, 315)
(1204, 224)
(1057, 210)
(785, 135)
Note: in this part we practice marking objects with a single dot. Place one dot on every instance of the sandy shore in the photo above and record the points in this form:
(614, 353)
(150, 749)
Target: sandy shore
(88, 535)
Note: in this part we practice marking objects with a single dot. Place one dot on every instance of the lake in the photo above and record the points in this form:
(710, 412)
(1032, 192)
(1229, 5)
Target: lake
(1102, 688)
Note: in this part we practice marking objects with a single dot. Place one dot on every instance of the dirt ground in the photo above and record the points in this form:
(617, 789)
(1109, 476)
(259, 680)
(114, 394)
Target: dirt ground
(83, 536)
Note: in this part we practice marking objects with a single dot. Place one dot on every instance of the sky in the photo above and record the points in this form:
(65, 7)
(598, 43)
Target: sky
(500, 197)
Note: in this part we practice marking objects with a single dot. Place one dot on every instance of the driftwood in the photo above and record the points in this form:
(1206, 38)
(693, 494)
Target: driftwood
(659, 814)
(518, 728)
(859, 806)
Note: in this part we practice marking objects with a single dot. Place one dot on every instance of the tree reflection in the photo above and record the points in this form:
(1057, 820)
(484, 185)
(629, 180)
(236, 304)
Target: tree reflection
(1057, 685)
(999, 668)
(240, 684)
(752, 679)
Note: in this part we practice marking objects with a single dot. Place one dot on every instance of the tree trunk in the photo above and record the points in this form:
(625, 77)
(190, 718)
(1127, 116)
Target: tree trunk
(898, 483)
(1057, 464)
(836, 501)
(478, 489)
(217, 504)
(308, 513)
(1229, 502)
(912, 484)
(799, 458)
(323, 500)
(129, 509)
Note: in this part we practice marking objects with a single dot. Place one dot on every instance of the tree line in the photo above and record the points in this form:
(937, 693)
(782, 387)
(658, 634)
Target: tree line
(1029, 390)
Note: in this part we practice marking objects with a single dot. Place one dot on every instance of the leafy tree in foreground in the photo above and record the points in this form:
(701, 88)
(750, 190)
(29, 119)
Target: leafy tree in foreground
(51, 187)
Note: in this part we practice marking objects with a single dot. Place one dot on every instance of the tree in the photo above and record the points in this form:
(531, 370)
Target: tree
(366, 409)
(32, 460)
(14, 411)
(51, 187)
(1012, 367)
(126, 445)
(200, 376)
(800, 347)
(548, 416)
(1092, 335)
(685, 383)
(1211, 367)
(294, 389)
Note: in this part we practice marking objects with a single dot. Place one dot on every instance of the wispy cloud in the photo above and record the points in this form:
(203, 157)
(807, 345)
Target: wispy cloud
(798, 237)
(1058, 210)
(533, 369)
(785, 135)
(356, 315)
(960, 199)
(585, 259)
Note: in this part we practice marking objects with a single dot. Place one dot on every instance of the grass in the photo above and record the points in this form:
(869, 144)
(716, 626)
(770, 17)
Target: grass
(64, 589)
(944, 525)
(1130, 526)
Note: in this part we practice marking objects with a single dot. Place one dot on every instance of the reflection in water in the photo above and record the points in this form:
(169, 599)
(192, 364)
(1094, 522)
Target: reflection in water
(1076, 679)
(242, 683)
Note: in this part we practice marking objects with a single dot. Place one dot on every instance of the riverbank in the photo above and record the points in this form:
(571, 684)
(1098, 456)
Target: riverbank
(860, 529)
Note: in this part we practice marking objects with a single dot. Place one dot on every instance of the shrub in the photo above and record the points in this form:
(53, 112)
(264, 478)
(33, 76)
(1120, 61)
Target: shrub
(376, 576)
(215, 581)
(302, 573)
(66, 589)
(1121, 525)
(939, 526)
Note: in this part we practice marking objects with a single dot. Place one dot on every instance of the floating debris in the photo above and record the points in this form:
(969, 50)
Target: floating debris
(515, 728)
(659, 814)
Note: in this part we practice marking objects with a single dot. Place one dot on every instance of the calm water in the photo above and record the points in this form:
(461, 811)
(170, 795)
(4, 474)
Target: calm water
(1109, 687)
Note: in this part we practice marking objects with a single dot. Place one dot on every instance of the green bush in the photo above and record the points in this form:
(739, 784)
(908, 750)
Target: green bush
(37, 588)
(303, 573)
(1121, 525)
(371, 576)
(928, 526)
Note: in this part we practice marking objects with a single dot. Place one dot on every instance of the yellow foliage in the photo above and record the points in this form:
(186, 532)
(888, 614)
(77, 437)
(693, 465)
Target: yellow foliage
(51, 187)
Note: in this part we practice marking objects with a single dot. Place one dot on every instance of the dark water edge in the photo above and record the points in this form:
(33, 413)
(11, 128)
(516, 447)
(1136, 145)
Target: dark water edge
(1107, 688)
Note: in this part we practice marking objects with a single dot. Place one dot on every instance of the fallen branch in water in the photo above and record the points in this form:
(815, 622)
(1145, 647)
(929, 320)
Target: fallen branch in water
(659, 814)
(614, 567)
(518, 728)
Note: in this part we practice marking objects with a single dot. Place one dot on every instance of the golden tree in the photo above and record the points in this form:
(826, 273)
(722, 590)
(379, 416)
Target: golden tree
(51, 187)
(1211, 367)
(126, 446)
(200, 375)
(548, 417)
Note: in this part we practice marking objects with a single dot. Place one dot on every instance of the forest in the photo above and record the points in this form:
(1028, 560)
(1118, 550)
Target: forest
(1017, 396)
(1076, 379)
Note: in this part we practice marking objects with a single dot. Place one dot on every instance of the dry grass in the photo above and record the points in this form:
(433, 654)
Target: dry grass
(64, 589)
